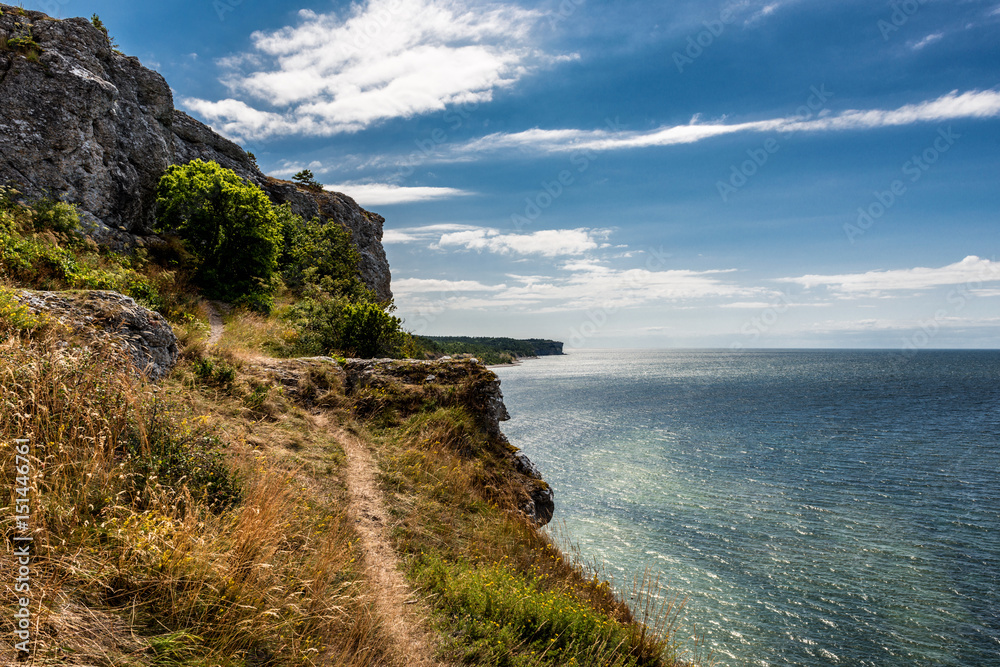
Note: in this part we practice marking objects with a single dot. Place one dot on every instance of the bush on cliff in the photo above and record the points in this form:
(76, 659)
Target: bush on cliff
(314, 250)
(229, 227)
(328, 323)
(42, 247)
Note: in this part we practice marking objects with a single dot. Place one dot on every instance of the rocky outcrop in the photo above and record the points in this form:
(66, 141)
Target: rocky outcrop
(408, 386)
(84, 123)
(544, 348)
(143, 334)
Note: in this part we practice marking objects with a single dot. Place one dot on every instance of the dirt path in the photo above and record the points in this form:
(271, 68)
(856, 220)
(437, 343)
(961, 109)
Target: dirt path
(215, 320)
(395, 600)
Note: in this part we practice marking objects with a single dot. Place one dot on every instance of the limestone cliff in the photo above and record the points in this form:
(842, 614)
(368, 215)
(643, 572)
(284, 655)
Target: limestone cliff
(84, 123)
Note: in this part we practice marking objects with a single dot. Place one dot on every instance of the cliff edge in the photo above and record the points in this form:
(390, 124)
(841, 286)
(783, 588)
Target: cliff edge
(89, 125)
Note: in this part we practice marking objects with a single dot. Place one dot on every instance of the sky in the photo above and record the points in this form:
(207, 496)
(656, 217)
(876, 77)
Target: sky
(637, 173)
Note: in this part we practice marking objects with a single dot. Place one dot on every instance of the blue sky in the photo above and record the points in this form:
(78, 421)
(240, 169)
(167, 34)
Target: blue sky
(780, 173)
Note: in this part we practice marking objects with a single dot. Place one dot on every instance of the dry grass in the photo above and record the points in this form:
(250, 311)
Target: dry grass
(135, 518)
(247, 334)
(206, 521)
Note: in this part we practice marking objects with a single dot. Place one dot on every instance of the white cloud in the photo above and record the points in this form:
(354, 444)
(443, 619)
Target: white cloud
(384, 59)
(929, 39)
(903, 324)
(952, 106)
(753, 10)
(420, 285)
(970, 271)
(589, 285)
(378, 194)
(763, 12)
(425, 234)
(547, 243)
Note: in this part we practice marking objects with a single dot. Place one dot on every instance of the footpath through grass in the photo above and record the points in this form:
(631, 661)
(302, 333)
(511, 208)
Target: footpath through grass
(504, 593)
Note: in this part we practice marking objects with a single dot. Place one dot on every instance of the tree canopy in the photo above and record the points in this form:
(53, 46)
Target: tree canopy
(228, 225)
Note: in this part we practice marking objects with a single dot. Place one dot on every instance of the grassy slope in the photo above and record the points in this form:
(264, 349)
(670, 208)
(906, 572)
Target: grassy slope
(205, 521)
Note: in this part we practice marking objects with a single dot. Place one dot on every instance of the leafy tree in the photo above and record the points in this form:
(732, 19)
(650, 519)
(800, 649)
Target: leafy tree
(228, 225)
(305, 179)
(316, 251)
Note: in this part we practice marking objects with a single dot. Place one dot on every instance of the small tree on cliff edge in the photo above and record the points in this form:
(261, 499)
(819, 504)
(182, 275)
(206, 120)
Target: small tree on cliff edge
(229, 227)
(306, 179)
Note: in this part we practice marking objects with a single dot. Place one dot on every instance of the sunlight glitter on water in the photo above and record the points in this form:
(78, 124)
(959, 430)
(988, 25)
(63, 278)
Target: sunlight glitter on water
(814, 507)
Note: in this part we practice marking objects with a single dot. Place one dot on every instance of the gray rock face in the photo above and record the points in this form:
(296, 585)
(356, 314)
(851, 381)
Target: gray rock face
(143, 334)
(97, 129)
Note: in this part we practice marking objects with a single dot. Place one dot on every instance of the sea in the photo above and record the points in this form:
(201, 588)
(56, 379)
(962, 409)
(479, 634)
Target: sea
(810, 507)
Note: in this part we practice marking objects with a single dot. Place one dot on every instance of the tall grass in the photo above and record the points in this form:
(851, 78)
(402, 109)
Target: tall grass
(214, 560)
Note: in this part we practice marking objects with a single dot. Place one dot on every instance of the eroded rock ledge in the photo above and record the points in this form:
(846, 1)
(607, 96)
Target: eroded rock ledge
(142, 333)
(394, 389)
(406, 385)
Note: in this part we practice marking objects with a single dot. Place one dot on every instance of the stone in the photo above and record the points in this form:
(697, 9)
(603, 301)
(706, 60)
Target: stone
(142, 333)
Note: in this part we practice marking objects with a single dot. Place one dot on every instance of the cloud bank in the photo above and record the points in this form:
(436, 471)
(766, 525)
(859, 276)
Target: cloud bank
(384, 59)
(970, 271)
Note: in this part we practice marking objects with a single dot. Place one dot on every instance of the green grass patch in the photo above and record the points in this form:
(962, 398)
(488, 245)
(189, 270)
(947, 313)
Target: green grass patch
(504, 618)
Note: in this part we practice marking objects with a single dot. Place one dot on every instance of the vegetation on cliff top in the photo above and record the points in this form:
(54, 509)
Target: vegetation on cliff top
(489, 350)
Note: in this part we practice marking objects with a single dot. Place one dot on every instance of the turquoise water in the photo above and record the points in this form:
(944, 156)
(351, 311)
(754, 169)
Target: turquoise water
(815, 507)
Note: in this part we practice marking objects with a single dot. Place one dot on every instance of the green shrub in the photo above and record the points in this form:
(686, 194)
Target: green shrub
(228, 226)
(215, 371)
(169, 454)
(306, 180)
(99, 24)
(314, 251)
(14, 316)
(57, 216)
(329, 323)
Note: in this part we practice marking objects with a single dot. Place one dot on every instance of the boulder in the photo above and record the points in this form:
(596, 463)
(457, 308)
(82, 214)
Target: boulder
(143, 334)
